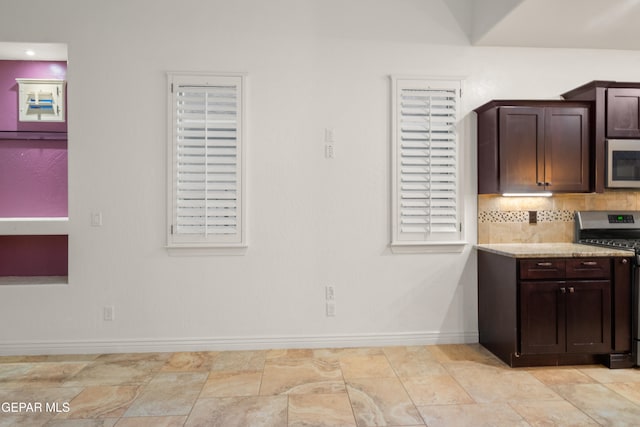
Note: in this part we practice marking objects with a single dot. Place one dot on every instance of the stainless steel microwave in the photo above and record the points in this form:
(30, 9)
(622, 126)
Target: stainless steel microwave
(623, 163)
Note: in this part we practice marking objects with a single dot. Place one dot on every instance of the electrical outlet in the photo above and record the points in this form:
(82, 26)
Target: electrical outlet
(533, 217)
(109, 313)
(330, 293)
(328, 151)
(331, 309)
(328, 135)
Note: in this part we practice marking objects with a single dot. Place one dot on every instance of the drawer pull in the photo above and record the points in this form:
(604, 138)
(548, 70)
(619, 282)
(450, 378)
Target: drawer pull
(572, 290)
(589, 263)
(544, 264)
(563, 290)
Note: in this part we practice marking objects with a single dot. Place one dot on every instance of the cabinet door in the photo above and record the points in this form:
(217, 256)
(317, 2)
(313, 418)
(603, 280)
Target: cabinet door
(566, 154)
(542, 318)
(521, 134)
(623, 113)
(588, 316)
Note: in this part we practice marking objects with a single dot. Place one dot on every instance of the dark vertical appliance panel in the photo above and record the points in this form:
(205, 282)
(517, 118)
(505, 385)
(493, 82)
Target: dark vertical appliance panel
(498, 330)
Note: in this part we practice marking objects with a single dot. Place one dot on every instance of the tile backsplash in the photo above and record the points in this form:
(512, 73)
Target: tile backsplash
(506, 219)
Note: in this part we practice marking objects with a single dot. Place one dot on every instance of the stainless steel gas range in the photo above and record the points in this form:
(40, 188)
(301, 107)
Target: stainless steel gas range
(619, 230)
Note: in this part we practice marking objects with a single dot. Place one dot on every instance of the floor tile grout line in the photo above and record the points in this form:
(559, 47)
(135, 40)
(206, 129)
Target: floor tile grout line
(193, 405)
(403, 385)
(563, 400)
(616, 392)
(448, 371)
(261, 379)
(346, 390)
(581, 369)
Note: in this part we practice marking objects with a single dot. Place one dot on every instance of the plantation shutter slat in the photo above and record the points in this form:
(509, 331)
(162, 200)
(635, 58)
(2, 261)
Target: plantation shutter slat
(207, 168)
(426, 196)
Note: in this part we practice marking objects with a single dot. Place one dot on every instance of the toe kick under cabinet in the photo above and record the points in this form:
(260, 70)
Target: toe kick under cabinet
(555, 311)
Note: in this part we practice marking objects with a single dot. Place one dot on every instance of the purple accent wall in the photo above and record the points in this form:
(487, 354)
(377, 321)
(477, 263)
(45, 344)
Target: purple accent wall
(33, 178)
(33, 256)
(33, 173)
(9, 72)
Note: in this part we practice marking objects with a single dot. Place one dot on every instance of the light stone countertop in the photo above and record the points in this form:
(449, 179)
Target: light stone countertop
(551, 250)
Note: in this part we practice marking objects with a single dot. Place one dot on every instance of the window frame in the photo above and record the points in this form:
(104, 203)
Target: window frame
(433, 243)
(201, 244)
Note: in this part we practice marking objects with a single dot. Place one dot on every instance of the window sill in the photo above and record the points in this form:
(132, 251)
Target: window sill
(193, 250)
(422, 247)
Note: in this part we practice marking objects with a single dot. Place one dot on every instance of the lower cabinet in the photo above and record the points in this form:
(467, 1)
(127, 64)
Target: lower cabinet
(557, 311)
(565, 317)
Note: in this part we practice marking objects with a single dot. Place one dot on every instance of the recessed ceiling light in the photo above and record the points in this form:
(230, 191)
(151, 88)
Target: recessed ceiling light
(29, 52)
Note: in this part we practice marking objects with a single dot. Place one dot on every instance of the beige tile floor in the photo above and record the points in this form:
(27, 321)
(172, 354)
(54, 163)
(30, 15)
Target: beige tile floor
(440, 385)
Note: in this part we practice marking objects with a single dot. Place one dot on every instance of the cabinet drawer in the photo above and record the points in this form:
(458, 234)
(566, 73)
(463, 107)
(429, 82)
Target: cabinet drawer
(587, 268)
(542, 269)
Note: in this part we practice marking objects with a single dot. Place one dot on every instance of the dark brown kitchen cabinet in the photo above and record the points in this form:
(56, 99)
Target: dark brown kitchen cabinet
(555, 311)
(565, 317)
(565, 305)
(623, 113)
(616, 114)
(542, 318)
(521, 149)
(533, 146)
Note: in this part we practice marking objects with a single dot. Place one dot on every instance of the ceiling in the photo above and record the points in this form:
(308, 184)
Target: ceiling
(587, 24)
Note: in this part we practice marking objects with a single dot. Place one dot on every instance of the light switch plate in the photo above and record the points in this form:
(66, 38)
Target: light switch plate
(96, 219)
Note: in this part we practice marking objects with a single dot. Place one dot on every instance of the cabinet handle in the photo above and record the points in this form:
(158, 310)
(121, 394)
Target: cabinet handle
(590, 263)
(547, 183)
(563, 290)
(572, 290)
(624, 261)
(544, 264)
(540, 184)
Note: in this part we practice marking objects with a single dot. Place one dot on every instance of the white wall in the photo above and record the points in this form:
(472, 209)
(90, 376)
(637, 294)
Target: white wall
(312, 64)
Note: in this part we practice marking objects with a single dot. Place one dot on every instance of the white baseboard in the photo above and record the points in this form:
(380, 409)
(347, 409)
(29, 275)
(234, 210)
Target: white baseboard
(234, 343)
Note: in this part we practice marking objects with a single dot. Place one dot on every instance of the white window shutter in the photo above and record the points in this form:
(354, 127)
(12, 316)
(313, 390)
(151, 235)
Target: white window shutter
(425, 161)
(207, 160)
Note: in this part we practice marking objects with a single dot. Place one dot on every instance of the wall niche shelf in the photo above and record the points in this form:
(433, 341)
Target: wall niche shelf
(34, 280)
(34, 258)
(29, 135)
(42, 226)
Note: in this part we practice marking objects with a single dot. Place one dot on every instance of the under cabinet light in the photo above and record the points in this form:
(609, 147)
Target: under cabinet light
(542, 194)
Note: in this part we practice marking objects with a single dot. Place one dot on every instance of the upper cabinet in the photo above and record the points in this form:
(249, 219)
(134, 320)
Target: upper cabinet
(623, 113)
(616, 114)
(533, 146)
